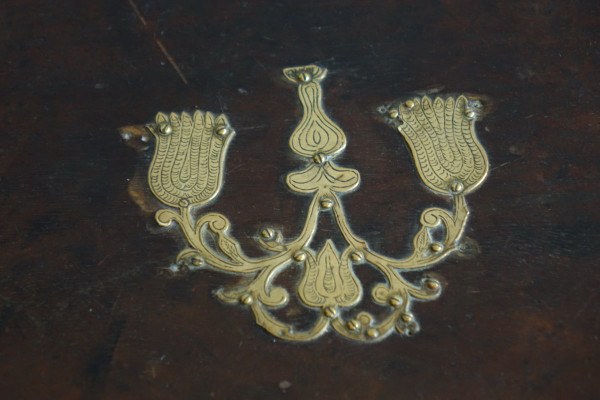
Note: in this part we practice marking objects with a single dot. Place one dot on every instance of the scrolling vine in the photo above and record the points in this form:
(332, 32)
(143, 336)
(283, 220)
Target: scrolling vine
(187, 171)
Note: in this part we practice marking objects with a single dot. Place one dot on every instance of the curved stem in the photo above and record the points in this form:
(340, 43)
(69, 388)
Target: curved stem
(416, 260)
(286, 331)
(240, 262)
(164, 218)
(382, 328)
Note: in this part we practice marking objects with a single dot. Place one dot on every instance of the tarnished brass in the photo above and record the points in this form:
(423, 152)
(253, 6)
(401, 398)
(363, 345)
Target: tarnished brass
(187, 171)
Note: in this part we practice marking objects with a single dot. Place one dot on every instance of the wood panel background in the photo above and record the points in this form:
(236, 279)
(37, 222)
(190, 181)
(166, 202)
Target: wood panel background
(84, 310)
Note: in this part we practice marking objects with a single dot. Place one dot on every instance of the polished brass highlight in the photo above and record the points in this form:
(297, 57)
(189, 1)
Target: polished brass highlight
(442, 140)
(187, 171)
(187, 168)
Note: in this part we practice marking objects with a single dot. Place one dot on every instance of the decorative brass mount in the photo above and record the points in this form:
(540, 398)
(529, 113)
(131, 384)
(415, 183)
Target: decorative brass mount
(187, 171)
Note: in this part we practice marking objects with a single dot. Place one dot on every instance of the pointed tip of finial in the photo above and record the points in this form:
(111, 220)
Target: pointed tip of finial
(305, 74)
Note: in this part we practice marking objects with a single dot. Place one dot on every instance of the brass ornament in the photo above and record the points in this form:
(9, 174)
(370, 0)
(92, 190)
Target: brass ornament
(187, 171)
(189, 157)
(442, 140)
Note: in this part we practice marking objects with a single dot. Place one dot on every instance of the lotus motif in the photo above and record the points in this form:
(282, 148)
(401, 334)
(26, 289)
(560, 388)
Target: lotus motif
(329, 280)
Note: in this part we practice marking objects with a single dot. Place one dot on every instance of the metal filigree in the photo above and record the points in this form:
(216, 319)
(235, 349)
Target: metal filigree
(187, 171)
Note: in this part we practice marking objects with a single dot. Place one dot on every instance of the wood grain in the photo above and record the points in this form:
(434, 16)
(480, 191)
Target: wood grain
(84, 310)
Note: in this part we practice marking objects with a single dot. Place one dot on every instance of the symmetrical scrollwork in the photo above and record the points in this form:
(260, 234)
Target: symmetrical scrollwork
(187, 170)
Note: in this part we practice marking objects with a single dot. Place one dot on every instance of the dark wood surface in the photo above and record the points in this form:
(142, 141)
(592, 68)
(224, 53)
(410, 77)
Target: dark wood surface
(84, 310)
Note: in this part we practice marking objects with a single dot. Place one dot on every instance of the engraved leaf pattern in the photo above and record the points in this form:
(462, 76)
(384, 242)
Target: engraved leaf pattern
(443, 143)
(230, 247)
(326, 176)
(329, 279)
(188, 163)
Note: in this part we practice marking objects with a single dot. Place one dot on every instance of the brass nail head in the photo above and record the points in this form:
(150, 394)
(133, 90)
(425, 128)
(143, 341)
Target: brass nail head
(353, 325)
(326, 202)
(470, 114)
(197, 261)
(304, 76)
(222, 130)
(409, 104)
(436, 247)
(372, 333)
(319, 158)
(246, 299)
(267, 233)
(433, 284)
(356, 256)
(165, 128)
(299, 255)
(330, 312)
(393, 113)
(407, 317)
(184, 203)
(457, 187)
(396, 300)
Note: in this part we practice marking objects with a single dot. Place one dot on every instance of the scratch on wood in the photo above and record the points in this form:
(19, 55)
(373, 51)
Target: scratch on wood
(138, 13)
(162, 47)
(503, 164)
(172, 61)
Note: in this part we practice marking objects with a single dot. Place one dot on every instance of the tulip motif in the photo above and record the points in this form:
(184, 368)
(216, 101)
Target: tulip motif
(442, 140)
(187, 168)
(329, 280)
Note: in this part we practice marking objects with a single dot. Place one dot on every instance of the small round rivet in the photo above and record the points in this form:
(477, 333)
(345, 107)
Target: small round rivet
(436, 247)
(457, 187)
(372, 333)
(319, 158)
(409, 104)
(184, 203)
(432, 284)
(299, 255)
(304, 76)
(393, 113)
(197, 261)
(222, 130)
(353, 325)
(246, 299)
(330, 312)
(356, 256)
(407, 317)
(267, 233)
(470, 114)
(396, 300)
(165, 129)
(326, 202)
